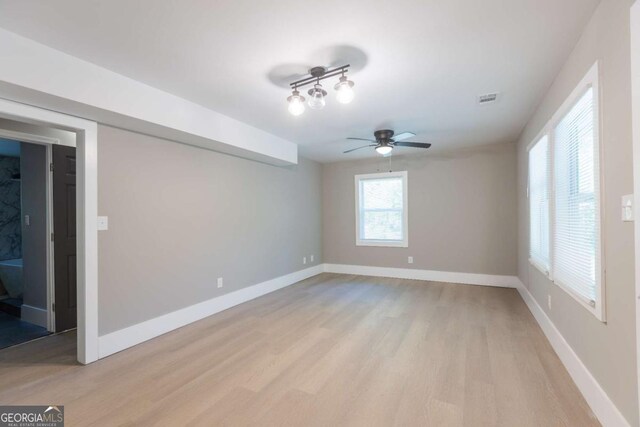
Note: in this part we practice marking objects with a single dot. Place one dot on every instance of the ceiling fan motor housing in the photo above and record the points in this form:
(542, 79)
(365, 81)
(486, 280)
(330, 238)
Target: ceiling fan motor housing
(383, 135)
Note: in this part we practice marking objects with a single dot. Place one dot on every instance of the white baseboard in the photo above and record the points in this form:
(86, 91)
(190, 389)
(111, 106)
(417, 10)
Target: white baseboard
(607, 413)
(34, 315)
(430, 275)
(128, 337)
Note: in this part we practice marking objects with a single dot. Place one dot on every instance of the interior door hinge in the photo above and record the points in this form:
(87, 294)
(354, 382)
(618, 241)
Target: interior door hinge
(52, 237)
(53, 306)
(51, 167)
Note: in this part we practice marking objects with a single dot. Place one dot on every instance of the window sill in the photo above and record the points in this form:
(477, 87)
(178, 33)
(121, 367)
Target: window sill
(383, 243)
(540, 268)
(594, 308)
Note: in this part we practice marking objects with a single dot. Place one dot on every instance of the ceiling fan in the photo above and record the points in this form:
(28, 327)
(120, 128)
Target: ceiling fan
(385, 141)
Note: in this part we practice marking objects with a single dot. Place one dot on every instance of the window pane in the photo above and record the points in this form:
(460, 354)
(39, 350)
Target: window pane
(382, 225)
(382, 193)
(381, 204)
(576, 214)
(539, 203)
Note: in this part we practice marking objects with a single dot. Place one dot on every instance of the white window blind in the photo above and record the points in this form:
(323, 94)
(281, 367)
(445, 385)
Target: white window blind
(381, 209)
(577, 215)
(539, 204)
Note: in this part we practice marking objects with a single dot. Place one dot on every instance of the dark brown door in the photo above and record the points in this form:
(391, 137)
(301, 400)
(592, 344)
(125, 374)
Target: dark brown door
(64, 236)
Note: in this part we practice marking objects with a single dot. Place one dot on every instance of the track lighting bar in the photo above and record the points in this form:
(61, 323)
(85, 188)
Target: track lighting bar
(317, 94)
(320, 74)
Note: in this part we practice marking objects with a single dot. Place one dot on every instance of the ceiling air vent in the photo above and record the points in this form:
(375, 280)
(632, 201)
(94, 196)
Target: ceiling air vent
(487, 98)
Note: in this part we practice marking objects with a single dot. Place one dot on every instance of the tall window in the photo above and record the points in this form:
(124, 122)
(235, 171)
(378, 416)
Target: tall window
(564, 198)
(381, 209)
(539, 204)
(577, 219)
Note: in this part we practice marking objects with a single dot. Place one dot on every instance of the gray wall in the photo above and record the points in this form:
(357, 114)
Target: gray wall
(462, 212)
(10, 232)
(180, 217)
(34, 236)
(607, 349)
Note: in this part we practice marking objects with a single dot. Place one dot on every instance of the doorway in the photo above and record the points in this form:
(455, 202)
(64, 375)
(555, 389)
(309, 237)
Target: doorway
(43, 297)
(23, 260)
(38, 247)
(86, 144)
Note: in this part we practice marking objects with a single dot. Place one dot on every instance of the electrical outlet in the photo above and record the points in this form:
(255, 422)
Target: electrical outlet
(549, 301)
(103, 223)
(27, 220)
(410, 260)
(311, 258)
(220, 282)
(304, 260)
(627, 208)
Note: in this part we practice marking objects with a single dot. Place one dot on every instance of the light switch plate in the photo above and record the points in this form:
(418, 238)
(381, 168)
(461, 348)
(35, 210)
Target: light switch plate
(27, 220)
(627, 208)
(103, 223)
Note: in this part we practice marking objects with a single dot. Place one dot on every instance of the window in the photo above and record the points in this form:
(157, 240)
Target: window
(577, 219)
(539, 204)
(564, 198)
(381, 209)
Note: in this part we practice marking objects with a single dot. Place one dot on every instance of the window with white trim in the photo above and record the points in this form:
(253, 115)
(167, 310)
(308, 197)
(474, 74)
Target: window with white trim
(381, 209)
(539, 204)
(564, 198)
(577, 213)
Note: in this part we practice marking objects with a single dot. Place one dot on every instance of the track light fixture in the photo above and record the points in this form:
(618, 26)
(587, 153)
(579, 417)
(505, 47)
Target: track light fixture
(316, 97)
(345, 90)
(296, 103)
(317, 94)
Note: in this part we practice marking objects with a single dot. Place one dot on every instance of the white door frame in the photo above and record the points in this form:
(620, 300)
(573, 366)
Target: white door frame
(86, 213)
(635, 114)
(46, 142)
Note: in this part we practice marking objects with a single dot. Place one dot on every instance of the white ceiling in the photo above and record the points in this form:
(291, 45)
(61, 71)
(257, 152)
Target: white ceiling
(418, 65)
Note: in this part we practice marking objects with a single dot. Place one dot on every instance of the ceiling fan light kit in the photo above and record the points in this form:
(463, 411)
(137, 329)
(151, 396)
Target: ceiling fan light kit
(317, 94)
(384, 149)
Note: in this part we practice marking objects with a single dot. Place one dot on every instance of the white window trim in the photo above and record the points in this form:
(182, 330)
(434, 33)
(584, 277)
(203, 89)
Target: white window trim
(543, 269)
(405, 210)
(590, 80)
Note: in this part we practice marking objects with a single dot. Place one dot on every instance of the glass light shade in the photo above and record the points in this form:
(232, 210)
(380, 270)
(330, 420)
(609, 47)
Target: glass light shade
(296, 103)
(384, 149)
(345, 91)
(316, 97)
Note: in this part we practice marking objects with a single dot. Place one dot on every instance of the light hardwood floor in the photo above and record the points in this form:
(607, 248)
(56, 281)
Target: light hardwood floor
(332, 350)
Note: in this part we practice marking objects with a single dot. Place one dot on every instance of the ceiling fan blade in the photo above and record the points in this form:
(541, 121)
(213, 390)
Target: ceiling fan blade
(403, 135)
(413, 144)
(354, 149)
(362, 139)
